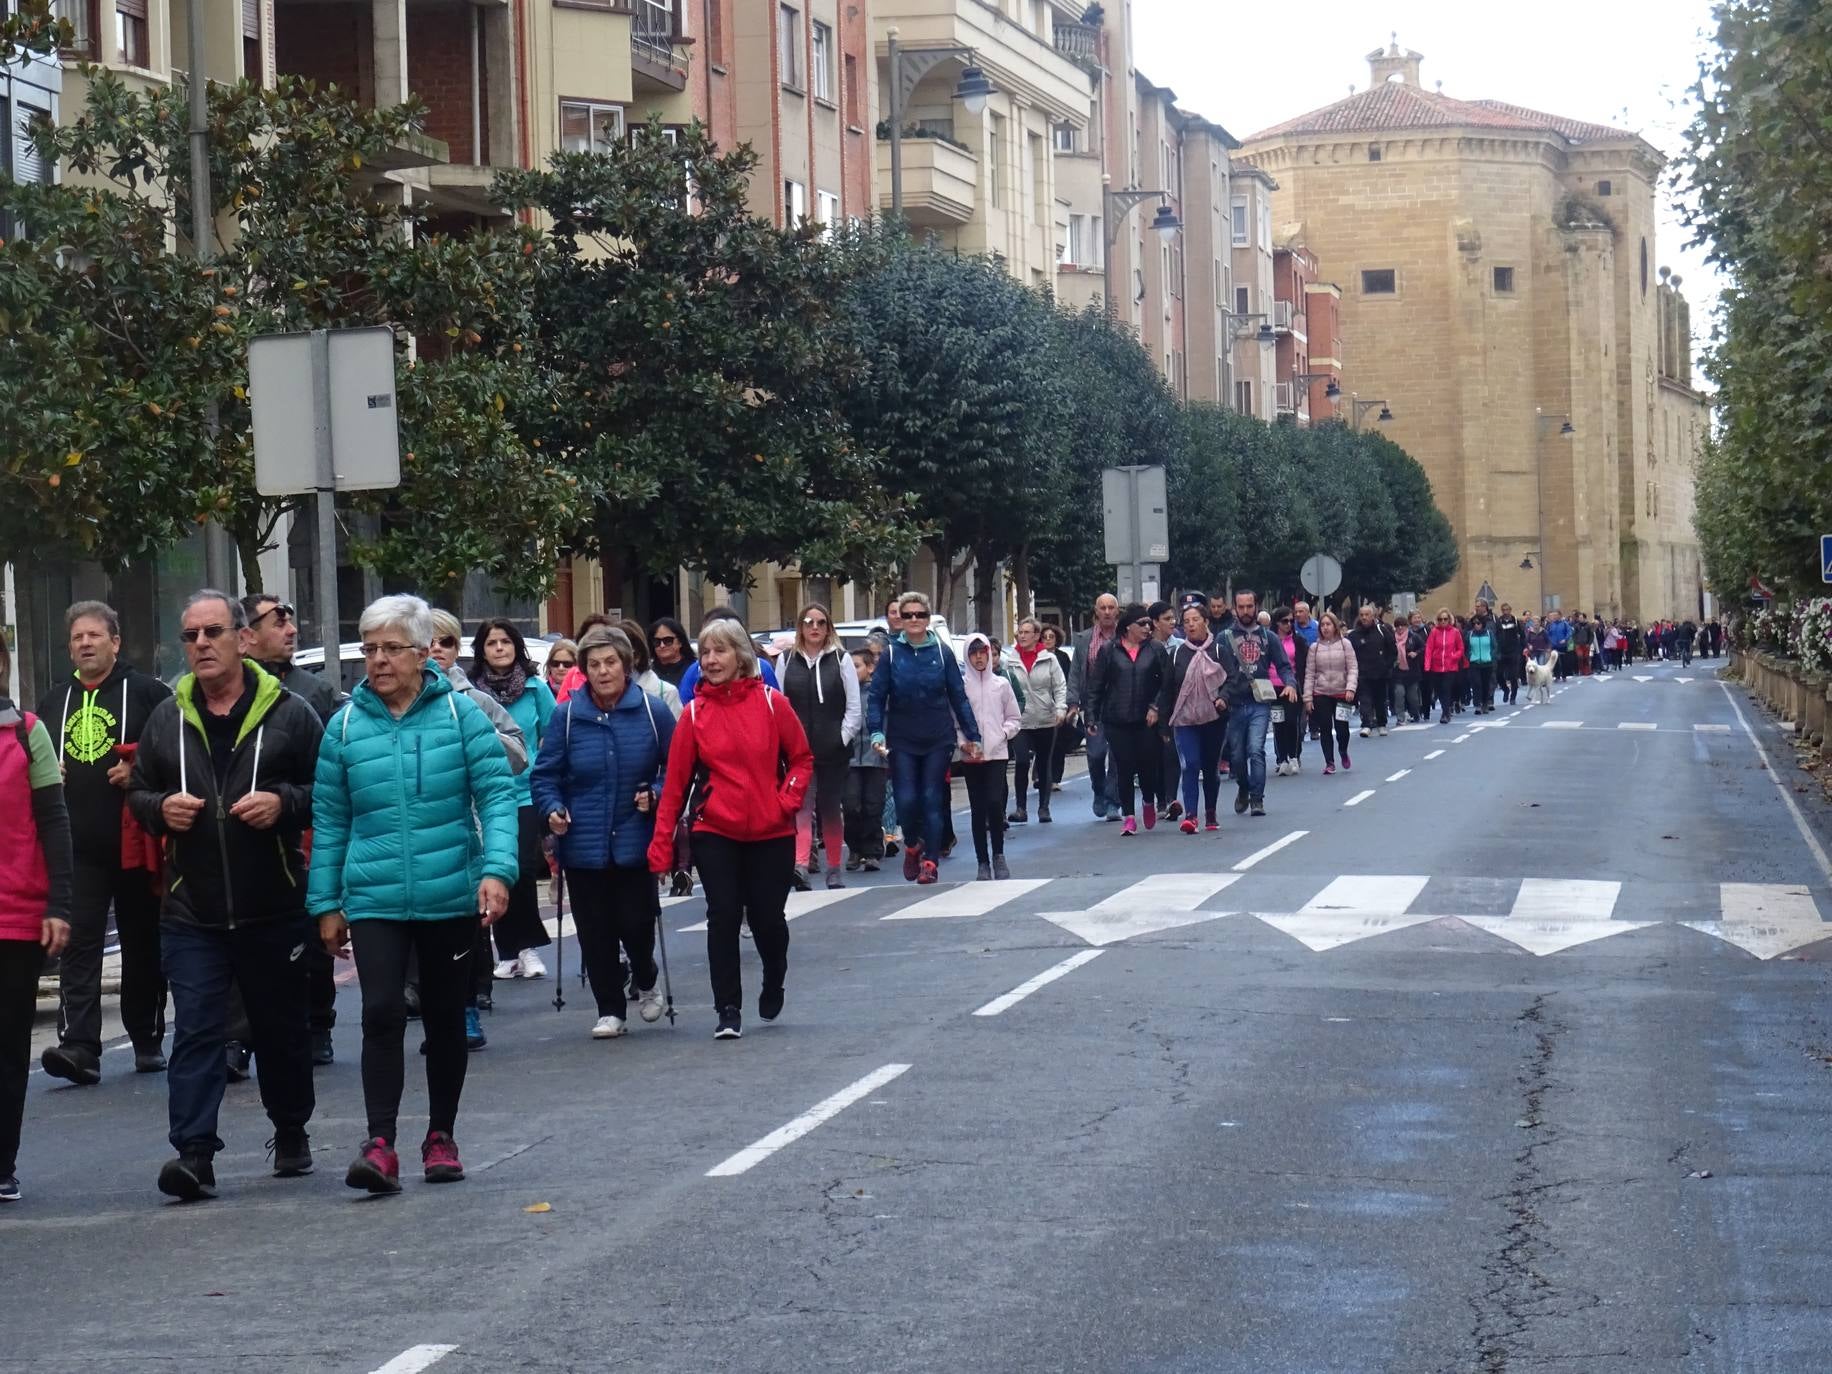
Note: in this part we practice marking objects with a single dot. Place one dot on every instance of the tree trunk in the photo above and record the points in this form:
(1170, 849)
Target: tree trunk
(248, 548)
(985, 574)
(25, 651)
(1021, 580)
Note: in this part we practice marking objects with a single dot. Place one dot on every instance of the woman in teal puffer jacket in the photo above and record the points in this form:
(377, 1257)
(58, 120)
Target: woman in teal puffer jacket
(414, 834)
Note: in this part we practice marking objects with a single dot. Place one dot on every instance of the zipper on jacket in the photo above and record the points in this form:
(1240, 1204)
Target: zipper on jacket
(222, 839)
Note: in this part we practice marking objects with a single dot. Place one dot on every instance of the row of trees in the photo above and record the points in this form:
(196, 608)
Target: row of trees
(1759, 163)
(635, 366)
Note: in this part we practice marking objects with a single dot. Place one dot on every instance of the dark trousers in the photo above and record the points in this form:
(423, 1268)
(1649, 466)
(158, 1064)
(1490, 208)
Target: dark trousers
(1036, 745)
(447, 950)
(20, 961)
(1101, 782)
(1170, 767)
(1443, 688)
(745, 881)
(1137, 758)
(1409, 695)
(825, 804)
(863, 811)
(613, 907)
(1068, 735)
(267, 963)
(986, 796)
(1482, 683)
(1287, 733)
(921, 783)
(1332, 732)
(1509, 674)
(521, 927)
(136, 914)
(1372, 699)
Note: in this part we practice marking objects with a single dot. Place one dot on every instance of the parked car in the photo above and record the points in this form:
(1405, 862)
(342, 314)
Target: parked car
(350, 655)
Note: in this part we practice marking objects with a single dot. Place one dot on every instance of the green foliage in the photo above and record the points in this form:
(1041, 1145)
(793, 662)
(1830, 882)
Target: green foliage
(1759, 164)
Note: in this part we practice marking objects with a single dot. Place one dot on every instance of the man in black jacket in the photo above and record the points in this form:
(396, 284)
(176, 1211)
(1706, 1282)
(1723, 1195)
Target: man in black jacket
(1510, 652)
(224, 771)
(270, 640)
(97, 720)
(1375, 651)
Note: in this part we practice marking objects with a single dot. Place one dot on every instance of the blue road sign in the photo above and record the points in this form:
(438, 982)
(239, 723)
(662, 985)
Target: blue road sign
(1825, 557)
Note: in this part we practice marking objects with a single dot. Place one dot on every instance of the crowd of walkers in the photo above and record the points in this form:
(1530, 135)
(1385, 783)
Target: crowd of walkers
(248, 828)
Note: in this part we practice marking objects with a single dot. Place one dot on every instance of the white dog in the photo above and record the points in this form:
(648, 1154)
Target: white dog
(1539, 680)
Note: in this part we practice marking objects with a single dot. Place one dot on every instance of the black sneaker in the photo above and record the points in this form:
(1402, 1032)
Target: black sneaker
(769, 1002)
(410, 998)
(149, 1060)
(189, 1178)
(323, 1051)
(683, 885)
(1259, 806)
(72, 1063)
(235, 1057)
(9, 1189)
(798, 879)
(1240, 803)
(731, 1024)
(292, 1153)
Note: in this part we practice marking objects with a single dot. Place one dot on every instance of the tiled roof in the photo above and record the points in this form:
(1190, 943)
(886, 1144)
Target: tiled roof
(1394, 105)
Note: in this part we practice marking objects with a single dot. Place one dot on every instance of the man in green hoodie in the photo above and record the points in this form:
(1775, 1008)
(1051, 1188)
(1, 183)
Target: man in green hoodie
(224, 773)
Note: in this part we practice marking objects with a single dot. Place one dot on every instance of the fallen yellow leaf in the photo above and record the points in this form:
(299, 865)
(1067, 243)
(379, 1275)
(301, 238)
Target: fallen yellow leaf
(539, 1207)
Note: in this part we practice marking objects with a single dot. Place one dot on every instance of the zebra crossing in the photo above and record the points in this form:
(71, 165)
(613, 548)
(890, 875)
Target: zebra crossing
(1540, 915)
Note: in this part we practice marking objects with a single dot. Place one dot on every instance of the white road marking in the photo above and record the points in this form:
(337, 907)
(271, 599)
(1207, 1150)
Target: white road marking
(1359, 798)
(1682, 679)
(752, 1155)
(969, 899)
(1435, 753)
(1712, 729)
(1542, 936)
(1640, 678)
(1766, 918)
(1042, 980)
(1395, 777)
(1812, 841)
(1163, 901)
(1637, 725)
(1564, 899)
(802, 903)
(1459, 739)
(1401, 729)
(1561, 725)
(416, 1358)
(1269, 850)
(1353, 907)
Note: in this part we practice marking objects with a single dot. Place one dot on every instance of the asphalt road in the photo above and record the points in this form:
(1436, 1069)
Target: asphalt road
(1481, 1073)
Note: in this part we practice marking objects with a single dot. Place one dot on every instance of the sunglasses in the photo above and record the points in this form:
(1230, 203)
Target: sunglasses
(665, 639)
(562, 663)
(446, 642)
(210, 632)
(810, 621)
(280, 611)
(915, 615)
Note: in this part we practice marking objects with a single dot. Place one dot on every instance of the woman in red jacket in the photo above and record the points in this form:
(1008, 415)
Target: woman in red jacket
(1446, 655)
(747, 759)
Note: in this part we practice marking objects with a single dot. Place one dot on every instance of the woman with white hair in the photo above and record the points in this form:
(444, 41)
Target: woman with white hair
(746, 756)
(414, 834)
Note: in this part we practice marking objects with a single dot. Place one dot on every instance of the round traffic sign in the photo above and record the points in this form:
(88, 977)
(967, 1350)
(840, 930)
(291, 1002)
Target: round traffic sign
(1320, 574)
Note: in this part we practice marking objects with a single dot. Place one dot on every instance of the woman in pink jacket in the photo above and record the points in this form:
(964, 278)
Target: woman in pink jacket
(995, 707)
(1331, 676)
(1446, 655)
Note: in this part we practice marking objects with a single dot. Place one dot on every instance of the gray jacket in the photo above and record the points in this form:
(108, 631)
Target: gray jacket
(1046, 688)
(506, 729)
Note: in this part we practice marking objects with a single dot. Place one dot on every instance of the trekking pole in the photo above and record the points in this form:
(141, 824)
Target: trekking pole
(661, 943)
(559, 939)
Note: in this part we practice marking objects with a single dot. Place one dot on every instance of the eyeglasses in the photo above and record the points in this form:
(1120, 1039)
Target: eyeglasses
(280, 611)
(553, 663)
(390, 650)
(811, 621)
(210, 632)
(915, 615)
(665, 639)
(446, 642)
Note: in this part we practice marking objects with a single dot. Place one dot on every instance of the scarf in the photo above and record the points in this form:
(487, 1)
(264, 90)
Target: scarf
(1028, 657)
(505, 684)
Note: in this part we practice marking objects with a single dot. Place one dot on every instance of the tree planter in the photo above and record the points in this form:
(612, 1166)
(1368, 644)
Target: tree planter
(1792, 692)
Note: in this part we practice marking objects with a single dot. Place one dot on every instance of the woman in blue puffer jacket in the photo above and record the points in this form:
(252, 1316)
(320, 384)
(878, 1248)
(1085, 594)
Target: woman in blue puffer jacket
(595, 785)
(414, 834)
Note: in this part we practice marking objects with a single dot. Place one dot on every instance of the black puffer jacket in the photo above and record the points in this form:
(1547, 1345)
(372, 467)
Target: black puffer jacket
(1121, 688)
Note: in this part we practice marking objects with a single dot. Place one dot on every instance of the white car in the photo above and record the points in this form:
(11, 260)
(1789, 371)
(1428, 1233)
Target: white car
(853, 632)
(350, 655)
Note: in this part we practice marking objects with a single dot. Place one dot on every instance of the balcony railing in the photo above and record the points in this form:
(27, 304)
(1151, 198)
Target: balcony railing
(1283, 397)
(655, 43)
(1080, 43)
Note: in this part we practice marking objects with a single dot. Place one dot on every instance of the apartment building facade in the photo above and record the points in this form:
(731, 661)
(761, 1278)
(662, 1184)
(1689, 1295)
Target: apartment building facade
(1307, 330)
(1251, 246)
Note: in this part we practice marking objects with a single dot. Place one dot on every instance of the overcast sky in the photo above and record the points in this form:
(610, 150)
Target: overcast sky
(1248, 66)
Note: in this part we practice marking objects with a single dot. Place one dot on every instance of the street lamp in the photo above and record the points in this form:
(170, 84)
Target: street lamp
(1119, 204)
(1542, 422)
(907, 72)
(1359, 408)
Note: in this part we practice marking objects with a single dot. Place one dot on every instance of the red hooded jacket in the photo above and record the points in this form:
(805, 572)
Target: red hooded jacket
(756, 761)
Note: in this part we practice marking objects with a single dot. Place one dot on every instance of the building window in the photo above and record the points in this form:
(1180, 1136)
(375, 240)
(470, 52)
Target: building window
(1373, 152)
(588, 126)
(1378, 282)
(794, 204)
(995, 174)
(1644, 267)
(1243, 300)
(852, 93)
(1240, 224)
(80, 16)
(132, 45)
(715, 34)
(1243, 397)
(1063, 136)
(788, 45)
(820, 70)
(1040, 178)
(826, 211)
(1504, 281)
(253, 67)
(1603, 188)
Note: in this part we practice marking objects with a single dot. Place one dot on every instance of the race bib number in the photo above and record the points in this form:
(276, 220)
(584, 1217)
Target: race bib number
(1342, 710)
(1278, 715)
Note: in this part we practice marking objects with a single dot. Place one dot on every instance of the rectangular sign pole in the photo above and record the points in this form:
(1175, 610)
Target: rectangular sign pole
(325, 484)
(1138, 548)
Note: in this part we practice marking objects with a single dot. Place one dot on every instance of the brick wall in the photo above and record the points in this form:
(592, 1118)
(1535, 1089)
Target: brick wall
(439, 73)
(329, 44)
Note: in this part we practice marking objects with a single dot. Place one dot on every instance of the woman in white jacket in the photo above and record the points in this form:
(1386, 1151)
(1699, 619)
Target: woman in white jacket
(995, 708)
(1044, 708)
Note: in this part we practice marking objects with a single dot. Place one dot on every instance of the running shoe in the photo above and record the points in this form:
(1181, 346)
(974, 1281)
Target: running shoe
(929, 873)
(1129, 827)
(607, 1028)
(377, 1168)
(532, 967)
(439, 1158)
(1151, 815)
(1187, 825)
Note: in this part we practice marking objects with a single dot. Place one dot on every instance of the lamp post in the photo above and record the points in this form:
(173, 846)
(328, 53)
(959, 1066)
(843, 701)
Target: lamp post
(1119, 204)
(907, 72)
(1265, 337)
(1359, 408)
(1541, 423)
(1308, 379)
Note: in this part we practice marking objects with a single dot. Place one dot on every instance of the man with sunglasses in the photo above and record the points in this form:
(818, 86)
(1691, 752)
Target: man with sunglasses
(224, 775)
(270, 638)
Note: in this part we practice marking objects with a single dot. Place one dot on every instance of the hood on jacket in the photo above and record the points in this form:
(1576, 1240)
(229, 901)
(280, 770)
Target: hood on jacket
(267, 692)
(433, 683)
(976, 640)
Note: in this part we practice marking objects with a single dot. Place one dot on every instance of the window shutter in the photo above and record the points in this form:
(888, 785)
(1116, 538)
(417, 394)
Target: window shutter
(135, 9)
(28, 167)
(251, 19)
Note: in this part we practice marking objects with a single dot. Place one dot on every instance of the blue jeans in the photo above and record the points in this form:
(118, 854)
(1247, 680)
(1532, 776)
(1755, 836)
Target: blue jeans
(268, 963)
(920, 782)
(1199, 749)
(1247, 721)
(1104, 796)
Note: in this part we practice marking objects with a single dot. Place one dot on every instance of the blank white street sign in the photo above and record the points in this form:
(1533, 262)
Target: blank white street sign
(365, 437)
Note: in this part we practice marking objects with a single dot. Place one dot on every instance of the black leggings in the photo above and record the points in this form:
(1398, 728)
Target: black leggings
(1334, 733)
(744, 881)
(1288, 733)
(986, 795)
(447, 949)
(612, 907)
(1443, 687)
(520, 927)
(20, 961)
(1136, 755)
(1037, 744)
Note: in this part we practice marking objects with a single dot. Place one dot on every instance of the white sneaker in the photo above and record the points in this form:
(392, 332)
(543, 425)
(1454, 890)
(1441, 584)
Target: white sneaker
(607, 1028)
(744, 927)
(1297, 765)
(532, 967)
(508, 968)
(1284, 768)
(1365, 732)
(1383, 729)
(649, 1004)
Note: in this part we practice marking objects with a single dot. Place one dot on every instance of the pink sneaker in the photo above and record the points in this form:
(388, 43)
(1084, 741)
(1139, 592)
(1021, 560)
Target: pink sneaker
(1131, 827)
(1346, 765)
(1151, 815)
(1188, 825)
(377, 1168)
(439, 1157)
(1328, 768)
